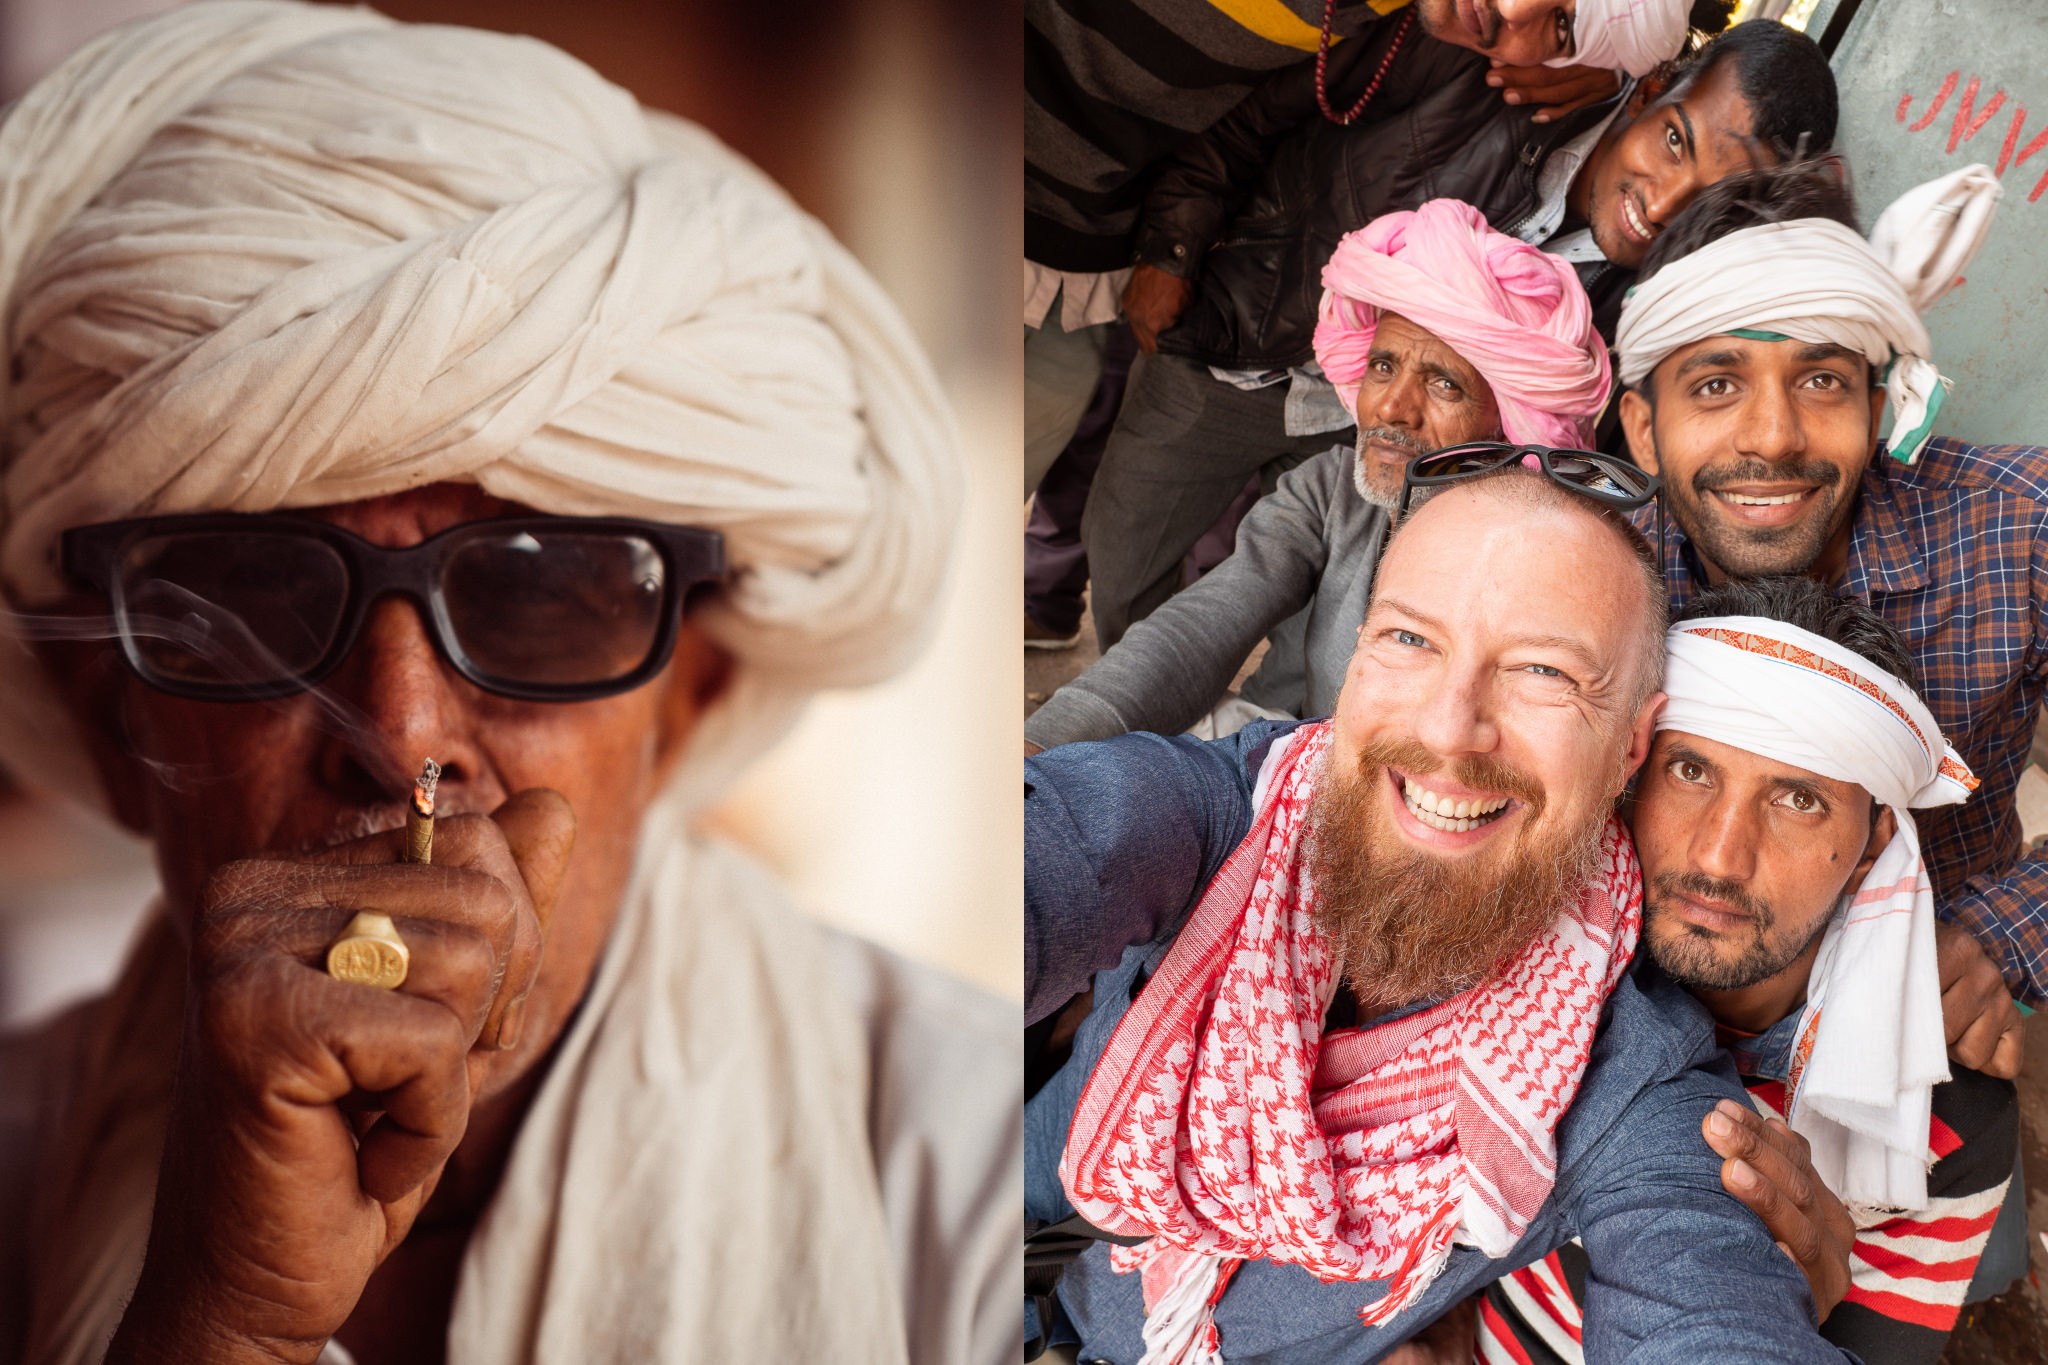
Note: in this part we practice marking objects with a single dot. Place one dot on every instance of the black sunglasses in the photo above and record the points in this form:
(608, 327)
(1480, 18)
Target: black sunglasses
(1604, 478)
(234, 607)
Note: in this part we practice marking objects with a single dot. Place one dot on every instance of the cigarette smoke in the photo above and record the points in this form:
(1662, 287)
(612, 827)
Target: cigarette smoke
(224, 641)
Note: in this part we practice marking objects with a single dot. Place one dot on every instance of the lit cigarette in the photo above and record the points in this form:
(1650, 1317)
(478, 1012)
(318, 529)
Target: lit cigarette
(419, 816)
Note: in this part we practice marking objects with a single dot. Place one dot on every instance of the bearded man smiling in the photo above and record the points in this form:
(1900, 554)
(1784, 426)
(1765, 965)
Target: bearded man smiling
(1348, 1023)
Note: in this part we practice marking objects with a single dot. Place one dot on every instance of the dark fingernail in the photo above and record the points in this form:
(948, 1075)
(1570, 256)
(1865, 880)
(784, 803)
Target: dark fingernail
(1719, 1126)
(1513, 97)
(1495, 81)
(1742, 1175)
(510, 1024)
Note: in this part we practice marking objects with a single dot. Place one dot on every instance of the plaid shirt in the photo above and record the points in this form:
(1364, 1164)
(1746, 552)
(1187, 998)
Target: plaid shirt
(1953, 551)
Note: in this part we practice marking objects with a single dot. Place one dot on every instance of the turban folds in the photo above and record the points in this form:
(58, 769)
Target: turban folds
(1516, 314)
(1871, 1028)
(1635, 36)
(260, 255)
(1815, 280)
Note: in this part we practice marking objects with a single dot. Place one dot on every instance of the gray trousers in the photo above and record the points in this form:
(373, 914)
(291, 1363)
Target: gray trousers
(1183, 447)
(1061, 369)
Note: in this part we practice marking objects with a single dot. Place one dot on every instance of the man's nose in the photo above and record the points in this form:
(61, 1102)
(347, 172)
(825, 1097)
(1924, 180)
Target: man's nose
(1770, 428)
(400, 705)
(1457, 717)
(1724, 841)
(1398, 404)
(1666, 196)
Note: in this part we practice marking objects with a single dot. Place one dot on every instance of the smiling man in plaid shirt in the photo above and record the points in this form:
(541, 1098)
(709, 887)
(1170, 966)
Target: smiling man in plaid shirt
(1776, 460)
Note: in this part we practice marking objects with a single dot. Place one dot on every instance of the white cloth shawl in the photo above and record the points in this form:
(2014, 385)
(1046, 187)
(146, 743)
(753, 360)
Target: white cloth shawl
(695, 1180)
(260, 255)
(1635, 36)
(1870, 1044)
(1814, 280)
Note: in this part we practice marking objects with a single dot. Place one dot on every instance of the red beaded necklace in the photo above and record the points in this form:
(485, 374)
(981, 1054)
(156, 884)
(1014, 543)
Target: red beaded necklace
(1323, 65)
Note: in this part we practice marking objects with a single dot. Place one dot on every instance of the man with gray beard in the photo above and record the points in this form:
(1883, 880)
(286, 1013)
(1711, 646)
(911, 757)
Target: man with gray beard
(1333, 1023)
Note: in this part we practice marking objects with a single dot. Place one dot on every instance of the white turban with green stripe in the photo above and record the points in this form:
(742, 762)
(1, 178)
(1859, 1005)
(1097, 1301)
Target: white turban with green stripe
(1815, 280)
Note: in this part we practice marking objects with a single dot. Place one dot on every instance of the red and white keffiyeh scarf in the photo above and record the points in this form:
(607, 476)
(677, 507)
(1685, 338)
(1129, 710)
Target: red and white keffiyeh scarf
(1221, 1124)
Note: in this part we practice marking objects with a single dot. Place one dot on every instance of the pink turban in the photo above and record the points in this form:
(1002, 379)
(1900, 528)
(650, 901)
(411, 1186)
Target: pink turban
(1518, 316)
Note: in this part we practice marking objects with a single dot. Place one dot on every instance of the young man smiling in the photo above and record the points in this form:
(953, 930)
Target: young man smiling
(1782, 890)
(1753, 348)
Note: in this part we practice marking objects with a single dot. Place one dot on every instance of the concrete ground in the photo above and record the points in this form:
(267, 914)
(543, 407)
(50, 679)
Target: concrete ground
(2011, 1329)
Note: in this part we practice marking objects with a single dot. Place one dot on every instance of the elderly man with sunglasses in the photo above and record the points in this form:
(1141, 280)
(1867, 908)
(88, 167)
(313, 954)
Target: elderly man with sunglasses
(381, 394)
(1437, 331)
(1336, 1022)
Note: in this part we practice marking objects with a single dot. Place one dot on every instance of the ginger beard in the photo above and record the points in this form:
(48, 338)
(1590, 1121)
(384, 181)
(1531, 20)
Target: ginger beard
(1404, 924)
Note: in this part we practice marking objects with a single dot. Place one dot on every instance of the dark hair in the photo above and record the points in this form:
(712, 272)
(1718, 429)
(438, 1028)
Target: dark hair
(1783, 77)
(1705, 19)
(1809, 187)
(1800, 601)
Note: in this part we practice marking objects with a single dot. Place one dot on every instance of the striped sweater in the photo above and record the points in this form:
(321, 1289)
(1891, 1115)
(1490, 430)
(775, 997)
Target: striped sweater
(1112, 87)
(1908, 1274)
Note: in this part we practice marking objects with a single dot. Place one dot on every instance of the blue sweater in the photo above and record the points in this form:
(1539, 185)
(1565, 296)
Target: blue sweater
(1121, 837)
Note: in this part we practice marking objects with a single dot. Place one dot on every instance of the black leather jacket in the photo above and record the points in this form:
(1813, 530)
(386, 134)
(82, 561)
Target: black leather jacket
(1253, 208)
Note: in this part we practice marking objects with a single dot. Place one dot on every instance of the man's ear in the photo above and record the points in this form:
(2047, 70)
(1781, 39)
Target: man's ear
(1877, 397)
(696, 677)
(1638, 424)
(1881, 831)
(1648, 90)
(1642, 734)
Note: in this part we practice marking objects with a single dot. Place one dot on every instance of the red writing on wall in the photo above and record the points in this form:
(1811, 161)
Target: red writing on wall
(1970, 118)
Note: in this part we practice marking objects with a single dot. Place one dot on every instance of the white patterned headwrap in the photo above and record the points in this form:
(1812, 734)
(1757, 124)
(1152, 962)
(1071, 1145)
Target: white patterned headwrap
(1815, 280)
(260, 255)
(1635, 36)
(1870, 1043)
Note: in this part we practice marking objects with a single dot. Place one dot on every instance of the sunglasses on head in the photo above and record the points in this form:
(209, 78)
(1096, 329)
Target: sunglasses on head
(247, 608)
(1604, 478)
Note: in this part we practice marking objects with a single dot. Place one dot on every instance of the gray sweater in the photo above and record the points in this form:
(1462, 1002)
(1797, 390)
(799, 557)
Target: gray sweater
(1310, 548)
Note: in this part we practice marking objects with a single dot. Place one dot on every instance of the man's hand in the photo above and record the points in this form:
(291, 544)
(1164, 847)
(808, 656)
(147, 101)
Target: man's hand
(312, 1117)
(1554, 90)
(1153, 302)
(1977, 1013)
(1766, 1166)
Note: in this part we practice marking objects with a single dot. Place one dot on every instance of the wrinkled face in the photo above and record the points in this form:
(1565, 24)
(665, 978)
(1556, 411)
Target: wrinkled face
(213, 782)
(1488, 717)
(1761, 445)
(1744, 859)
(1417, 395)
(1645, 171)
(1516, 32)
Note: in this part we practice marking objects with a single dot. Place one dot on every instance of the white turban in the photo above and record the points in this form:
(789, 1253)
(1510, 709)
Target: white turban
(259, 255)
(1871, 1031)
(1814, 280)
(1635, 36)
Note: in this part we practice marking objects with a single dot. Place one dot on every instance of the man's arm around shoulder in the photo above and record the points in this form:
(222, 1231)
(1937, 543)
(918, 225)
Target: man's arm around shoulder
(1680, 1270)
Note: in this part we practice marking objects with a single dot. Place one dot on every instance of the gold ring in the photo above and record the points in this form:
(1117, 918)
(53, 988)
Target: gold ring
(369, 953)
